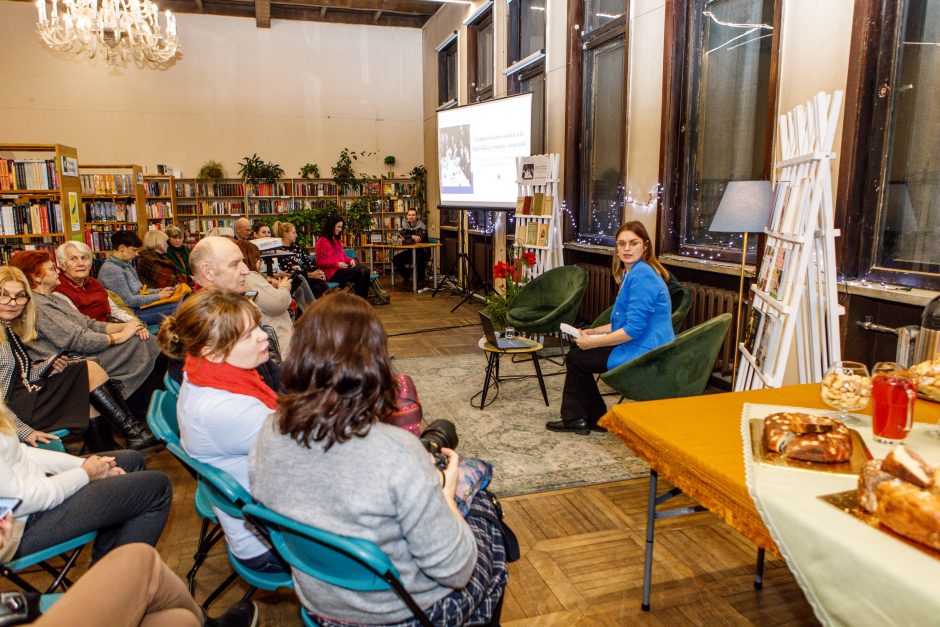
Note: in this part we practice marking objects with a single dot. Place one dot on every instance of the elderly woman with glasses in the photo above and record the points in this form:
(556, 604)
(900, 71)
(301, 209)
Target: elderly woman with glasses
(81, 290)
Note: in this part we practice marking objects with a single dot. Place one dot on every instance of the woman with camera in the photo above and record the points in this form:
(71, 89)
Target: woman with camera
(223, 400)
(373, 480)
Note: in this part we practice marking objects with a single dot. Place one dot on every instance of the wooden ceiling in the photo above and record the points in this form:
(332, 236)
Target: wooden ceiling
(408, 13)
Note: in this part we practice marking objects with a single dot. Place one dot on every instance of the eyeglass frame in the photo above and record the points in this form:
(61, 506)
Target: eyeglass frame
(6, 299)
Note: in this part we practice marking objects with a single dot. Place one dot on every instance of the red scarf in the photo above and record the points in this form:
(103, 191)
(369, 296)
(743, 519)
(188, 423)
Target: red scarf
(224, 376)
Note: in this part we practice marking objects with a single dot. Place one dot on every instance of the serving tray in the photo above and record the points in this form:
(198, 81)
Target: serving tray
(848, 502)
(860, 454)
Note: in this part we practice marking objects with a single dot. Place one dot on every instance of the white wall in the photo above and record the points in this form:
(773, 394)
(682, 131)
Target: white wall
(297, 92)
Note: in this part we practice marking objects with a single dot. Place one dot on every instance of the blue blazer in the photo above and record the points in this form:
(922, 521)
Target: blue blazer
(644, 311)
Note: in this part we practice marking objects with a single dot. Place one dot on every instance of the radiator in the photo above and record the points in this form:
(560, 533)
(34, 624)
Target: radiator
(598, 296)
(708, 302)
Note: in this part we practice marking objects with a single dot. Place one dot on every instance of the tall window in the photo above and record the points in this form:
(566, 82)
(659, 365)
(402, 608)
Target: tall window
(894, 230)
(480, 52)
(447, 73)
(718, 116)
(527, 61)
(603, 120)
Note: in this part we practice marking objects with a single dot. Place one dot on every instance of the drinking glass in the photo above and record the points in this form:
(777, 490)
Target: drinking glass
(846, 387)
(893, 393)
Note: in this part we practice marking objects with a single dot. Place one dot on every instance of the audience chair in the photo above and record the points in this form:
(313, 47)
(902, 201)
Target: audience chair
(548, 300)
(171, 385)
(350, 563)
(678, 316)
(161, 418)
(56, 445)
(226, 494)
(68, 550)
(675, 369)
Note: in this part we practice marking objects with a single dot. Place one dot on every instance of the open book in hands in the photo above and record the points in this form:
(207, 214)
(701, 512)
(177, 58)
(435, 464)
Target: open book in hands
(566, 328)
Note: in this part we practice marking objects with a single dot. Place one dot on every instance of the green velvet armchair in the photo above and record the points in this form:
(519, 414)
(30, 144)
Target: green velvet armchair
(678, 316)
(679, 368)
(548, 300)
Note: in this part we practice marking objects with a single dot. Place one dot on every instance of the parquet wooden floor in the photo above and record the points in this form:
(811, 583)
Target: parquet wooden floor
(582, 549)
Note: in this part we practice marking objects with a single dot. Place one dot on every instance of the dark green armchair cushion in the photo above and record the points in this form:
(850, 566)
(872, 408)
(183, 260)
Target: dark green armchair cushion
(548, 300)
(673, 370)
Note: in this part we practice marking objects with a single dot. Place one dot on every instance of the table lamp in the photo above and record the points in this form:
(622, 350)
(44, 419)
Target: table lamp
(744, 208)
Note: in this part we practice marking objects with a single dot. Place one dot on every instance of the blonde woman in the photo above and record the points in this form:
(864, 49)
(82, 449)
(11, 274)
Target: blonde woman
(154, 268)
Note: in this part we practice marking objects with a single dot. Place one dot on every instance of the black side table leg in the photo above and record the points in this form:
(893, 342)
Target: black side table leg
(538, 374)
(490, 362)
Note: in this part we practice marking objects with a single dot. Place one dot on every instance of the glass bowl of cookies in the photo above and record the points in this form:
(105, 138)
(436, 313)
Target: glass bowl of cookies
(846, 388)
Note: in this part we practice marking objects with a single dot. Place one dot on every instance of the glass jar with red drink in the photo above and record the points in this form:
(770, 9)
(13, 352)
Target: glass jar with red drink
(893, 393)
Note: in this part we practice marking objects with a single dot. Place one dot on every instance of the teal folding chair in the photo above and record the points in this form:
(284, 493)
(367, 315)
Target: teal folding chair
(69, 552)
(226, 494)
(350, 563)
(56, 445)
(171, 385)
(161, 418)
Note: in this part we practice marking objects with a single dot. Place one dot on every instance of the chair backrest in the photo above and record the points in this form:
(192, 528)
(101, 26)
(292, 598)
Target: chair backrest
(171, 385)
(676, 369)
(679, 315)
(223, 490)
(350, 253)
(161, 417)
(351, 563)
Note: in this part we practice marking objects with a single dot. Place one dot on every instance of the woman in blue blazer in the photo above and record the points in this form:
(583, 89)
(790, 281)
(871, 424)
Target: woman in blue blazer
(640, 321)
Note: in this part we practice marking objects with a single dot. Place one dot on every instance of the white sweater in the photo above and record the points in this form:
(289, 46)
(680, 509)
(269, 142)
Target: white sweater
(23, 475)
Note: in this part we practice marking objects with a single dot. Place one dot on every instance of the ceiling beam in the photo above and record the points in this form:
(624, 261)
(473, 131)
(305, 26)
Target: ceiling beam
(263, 13)
(417, 7)
(329, 11)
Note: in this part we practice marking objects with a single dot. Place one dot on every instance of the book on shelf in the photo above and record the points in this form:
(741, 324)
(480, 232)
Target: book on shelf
(7, 250)
(768, 344)
(28, 174)
(108, 211)
(751, 331)
(781, 191)
(772, 286)
(531, 233)
(520, 232)
(527, 205)
(542, 234)
(790, 219)
(520, 203)
(548, 206)
(39, 217)
(158, 188)
(220, 189)
(159, 209)
(538, 199)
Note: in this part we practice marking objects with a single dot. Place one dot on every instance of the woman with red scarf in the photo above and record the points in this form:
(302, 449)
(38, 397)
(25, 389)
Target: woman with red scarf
(223, 400)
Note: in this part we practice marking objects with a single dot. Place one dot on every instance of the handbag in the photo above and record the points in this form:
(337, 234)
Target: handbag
(510, 541)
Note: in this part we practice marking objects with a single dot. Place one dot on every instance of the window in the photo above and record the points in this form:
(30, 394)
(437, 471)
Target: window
(527, 42)
(596, 149)
(447, 72)
(718, 117)
(526, 28)
(892, 171)
(480, 53)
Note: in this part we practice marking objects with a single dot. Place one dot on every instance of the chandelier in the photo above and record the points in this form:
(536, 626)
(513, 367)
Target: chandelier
(115, 28)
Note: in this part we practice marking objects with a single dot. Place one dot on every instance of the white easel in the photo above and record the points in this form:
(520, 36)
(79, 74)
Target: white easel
(550, 255)
(796, 287)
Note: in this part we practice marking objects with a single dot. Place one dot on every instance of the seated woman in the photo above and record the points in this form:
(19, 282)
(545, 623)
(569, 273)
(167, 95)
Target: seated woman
(338, 266)
(125, 350)
(64, 496)
(177, 251)
(260, 230)
(641, 321)
(374, 480)
(118, 275)
(223, 400)
(154, 267)
(273, 297)
(81, 290)
(299, 264)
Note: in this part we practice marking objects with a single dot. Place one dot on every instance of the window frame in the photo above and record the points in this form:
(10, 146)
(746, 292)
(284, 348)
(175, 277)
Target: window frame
(447, 51)
(865, 142)
(474, 94)
(677, 118)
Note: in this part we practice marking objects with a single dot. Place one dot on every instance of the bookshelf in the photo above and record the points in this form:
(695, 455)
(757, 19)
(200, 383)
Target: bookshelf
(160, 200)
(391, 198)
(40, 196)
(113, 198)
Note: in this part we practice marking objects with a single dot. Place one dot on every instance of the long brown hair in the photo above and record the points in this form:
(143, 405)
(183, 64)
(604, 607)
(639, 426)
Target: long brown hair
(25, 324)
(207, 319)
(637, 228)
(337, 378)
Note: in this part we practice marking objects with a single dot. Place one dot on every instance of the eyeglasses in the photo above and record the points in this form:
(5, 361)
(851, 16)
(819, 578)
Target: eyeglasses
(6, 299)
(631, 244)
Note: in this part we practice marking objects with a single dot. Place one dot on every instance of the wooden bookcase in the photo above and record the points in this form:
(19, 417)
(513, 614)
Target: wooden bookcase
(40, 197)
(160, 200)
(113, 198)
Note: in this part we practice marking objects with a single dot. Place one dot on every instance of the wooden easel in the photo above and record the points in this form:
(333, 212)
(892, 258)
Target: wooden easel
(549, 255)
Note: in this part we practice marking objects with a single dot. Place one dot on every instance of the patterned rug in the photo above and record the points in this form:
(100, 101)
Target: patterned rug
(510, 432)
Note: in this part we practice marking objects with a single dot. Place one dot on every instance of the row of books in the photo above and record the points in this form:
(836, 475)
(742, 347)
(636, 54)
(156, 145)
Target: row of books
(36, 218)
(158, 188)
(100, 239)
(157, 209)
(110, 212)
(777, 270)
(536, 205)
(271, 189)
(762, 338)
(221, 207)
(269, 206)
(107, 183)
(387, 221)
(532, 233)
(8, 250)
(32, 174)
(314, 189)
(789, 201)
(399, 205)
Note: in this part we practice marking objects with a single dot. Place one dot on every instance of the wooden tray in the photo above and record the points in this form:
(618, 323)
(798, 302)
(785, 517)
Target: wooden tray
(860, 454)
(848, 502)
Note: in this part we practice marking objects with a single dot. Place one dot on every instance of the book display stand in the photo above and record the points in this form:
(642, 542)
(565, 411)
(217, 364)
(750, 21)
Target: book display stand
(795, 290)
(538, 224)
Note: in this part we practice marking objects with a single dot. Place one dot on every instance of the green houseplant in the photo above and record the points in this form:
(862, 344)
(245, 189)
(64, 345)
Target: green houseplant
(254, 170)
(211, 170)
(343, 173)
(357, 216)
(390, 164)
(497, 305)
(309, 170)
(309, 220)
(419, 176)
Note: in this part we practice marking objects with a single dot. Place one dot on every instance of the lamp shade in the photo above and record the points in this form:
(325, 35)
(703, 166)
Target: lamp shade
(744, 208)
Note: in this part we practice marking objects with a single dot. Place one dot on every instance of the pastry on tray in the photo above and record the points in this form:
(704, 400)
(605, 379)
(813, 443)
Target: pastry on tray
(807, 437)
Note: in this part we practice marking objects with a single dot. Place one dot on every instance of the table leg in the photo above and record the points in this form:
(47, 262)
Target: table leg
(391, 263)
(650, 530)
(414, 269)
(437, 258)
(538, 374)
(492, 359)
(759, 571)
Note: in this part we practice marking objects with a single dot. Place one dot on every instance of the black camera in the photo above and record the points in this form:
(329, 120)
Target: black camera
(18, 608)
(439, 434)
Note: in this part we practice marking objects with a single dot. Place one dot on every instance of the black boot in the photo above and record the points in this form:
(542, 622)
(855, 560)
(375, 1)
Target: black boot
(98, 436)
(111, 405)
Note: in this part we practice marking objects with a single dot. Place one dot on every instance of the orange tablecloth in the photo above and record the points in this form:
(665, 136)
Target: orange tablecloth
(695, 443)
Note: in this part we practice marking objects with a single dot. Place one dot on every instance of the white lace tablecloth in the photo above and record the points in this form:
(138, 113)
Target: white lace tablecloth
(852, 574)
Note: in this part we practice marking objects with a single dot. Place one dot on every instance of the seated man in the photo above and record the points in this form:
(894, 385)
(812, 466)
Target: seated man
(414, 231)
(118, 275)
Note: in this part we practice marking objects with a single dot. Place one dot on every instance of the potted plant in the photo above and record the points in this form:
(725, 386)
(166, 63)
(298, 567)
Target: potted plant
(254, 169)
(419, 176)
(309, 220)
(309, 170)
(211, 170)
(343, 172)
(497, 305)
(390, 164)
(357, 216)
